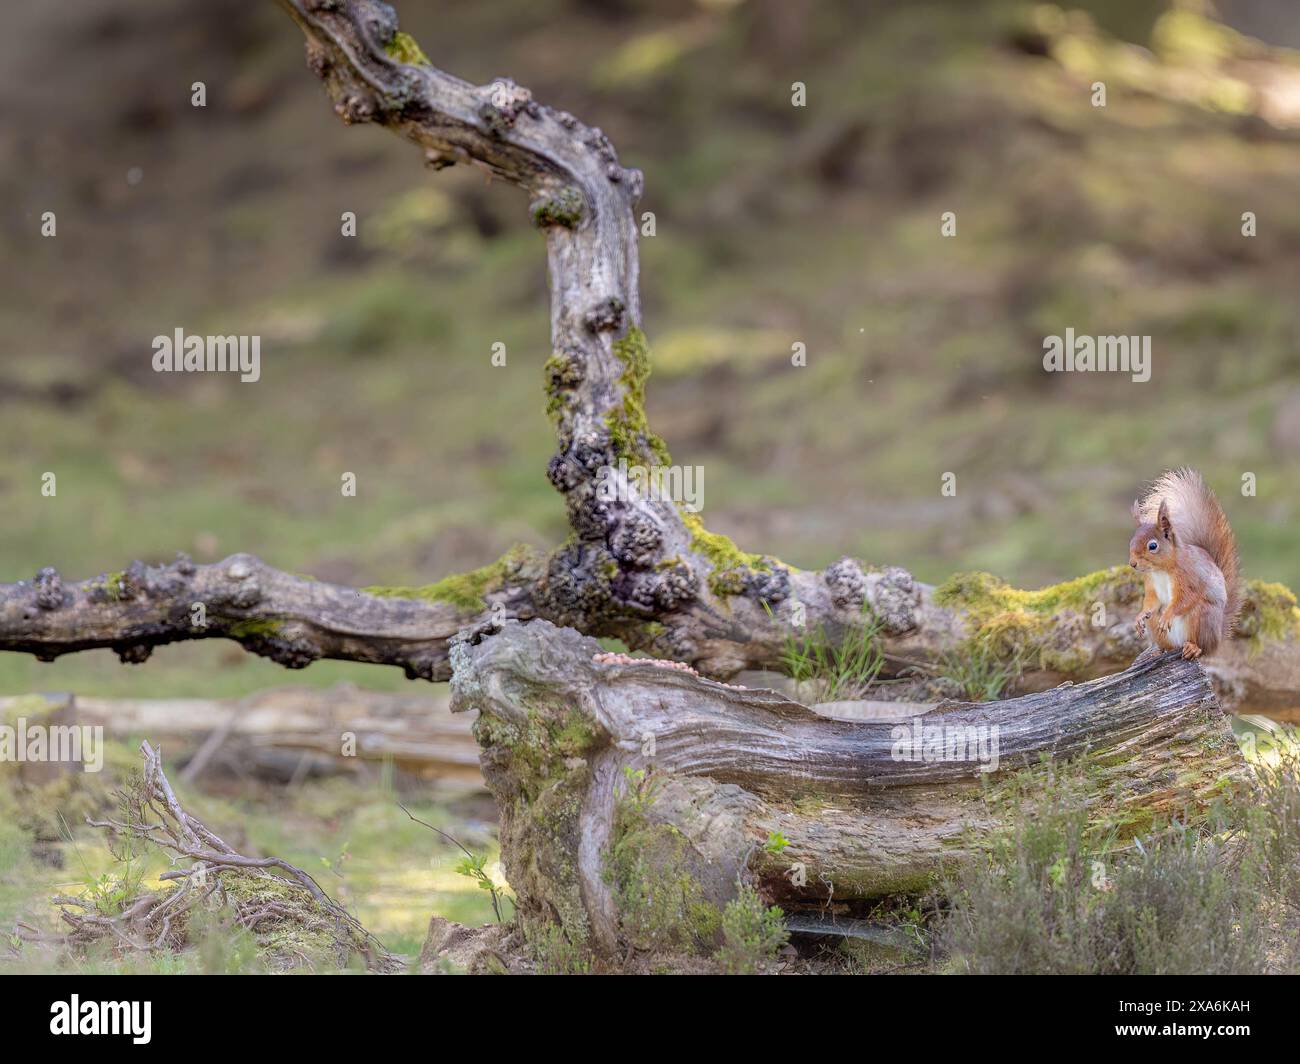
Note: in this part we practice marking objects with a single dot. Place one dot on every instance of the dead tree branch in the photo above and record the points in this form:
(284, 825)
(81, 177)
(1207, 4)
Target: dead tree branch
(260, 900)
(292, 620)
(285, 733)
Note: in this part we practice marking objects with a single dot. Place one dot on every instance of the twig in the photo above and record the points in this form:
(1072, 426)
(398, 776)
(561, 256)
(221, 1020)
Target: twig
(491, 887)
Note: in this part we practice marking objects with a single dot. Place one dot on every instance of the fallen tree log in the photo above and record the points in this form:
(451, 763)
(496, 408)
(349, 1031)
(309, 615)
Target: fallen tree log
(281, 735)
(294, 621)
(615, 782)
(295, 732)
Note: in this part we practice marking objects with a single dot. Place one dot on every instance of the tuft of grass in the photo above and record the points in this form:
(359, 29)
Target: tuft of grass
(978, 673)
(835, 671)
(556, 955)
(1273, 822)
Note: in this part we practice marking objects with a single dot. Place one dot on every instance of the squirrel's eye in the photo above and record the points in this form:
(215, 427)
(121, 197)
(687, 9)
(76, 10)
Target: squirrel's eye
(1153, 545)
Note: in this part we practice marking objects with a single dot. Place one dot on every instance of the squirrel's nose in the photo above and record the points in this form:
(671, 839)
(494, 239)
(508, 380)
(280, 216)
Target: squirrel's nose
(1133, 565)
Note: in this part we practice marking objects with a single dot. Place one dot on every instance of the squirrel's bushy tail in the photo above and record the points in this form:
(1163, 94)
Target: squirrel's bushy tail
(1198, 519)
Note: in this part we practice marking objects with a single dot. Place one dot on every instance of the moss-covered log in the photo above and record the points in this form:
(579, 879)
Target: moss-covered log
(1073, 631)
(635, 797)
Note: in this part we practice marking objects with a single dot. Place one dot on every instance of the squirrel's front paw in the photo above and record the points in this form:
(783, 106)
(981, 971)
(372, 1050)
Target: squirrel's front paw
(1162, 627)
(1142, 619)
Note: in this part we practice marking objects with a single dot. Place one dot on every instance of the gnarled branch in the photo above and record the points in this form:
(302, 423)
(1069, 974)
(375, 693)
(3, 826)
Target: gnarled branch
(293, 620)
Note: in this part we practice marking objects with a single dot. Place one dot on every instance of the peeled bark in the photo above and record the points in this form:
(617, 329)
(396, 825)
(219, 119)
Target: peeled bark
(734, 767)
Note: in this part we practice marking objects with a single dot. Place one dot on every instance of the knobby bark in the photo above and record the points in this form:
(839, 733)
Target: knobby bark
(295, 620)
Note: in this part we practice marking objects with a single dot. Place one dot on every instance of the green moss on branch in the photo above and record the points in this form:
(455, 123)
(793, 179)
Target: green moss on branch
(255, 629)
(404, 49)
(111, 586)
(466, 591)
(630, 434)
(1025, 626)
(729, 562)
(563, 208)
(1270, 611)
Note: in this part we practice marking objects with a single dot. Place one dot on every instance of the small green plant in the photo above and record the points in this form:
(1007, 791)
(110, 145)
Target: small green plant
(752, 933)
(835, 670)
(776, 842)
(556, 955)
(475, 867)
(911, 921)
(899, 939)
(109, 894)
(472, 865)
(639, 788)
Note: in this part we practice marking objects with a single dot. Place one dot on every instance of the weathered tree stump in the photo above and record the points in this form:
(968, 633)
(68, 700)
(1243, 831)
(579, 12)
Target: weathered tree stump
(869, 808)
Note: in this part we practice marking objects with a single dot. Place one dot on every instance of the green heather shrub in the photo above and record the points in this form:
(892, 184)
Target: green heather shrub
(1052, 895)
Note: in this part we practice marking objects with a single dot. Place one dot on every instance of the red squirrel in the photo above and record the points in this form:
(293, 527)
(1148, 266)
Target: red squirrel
(1186, 553)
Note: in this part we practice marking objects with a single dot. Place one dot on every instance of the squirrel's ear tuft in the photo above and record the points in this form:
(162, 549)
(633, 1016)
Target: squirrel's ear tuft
(1137, 512)
(1162, 521)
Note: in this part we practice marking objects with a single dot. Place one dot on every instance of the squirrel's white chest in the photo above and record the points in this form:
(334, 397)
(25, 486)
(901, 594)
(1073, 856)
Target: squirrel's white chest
(1163, 587)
